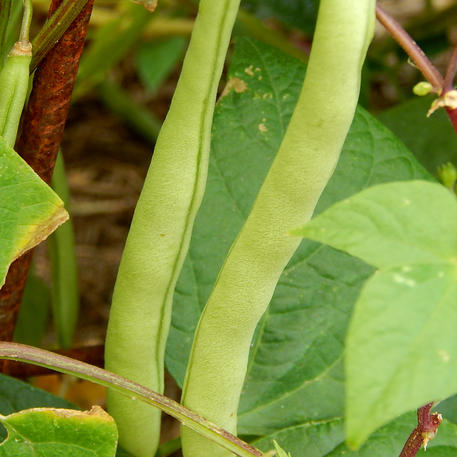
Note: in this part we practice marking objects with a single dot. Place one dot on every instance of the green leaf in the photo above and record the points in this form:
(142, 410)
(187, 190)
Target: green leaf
(295, 370)
(391, 224)
(17, 395)
(157, 59)
(29, 209)
(59, 432)
(400, 345)
(431, 139)
(326, 439)
(297, 13)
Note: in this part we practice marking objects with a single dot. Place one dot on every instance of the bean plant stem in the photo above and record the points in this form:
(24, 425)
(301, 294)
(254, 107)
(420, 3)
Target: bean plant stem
(451, 71)
(452, 113)
(427, 425)
(448, 85)
(93, 355)
(422, 62)
(415, 53)
(54, 28)
(5, 8)
(26, 21)
(29, 354)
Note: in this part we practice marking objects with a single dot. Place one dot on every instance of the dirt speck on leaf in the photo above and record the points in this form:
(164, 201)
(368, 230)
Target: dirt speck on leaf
(262, 127)
(237, 84)
(249, 70)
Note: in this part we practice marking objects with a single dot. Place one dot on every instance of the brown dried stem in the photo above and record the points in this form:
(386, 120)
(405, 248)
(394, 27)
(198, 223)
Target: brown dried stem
(42, 133)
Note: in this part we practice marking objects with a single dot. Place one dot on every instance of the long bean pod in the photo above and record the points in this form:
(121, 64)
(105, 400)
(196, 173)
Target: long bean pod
(305, 162)
(160, 232)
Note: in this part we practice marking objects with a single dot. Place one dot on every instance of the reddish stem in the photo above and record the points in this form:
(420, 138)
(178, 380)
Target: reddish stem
(427, 426)
(42, 132)
(415, 53)
(451, 71)
(452, 113)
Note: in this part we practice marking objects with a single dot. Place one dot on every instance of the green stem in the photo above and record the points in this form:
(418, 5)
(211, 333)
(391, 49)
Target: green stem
(62, 364)
(5, 9)
(65, 296)
(54, 28)
(26, 21)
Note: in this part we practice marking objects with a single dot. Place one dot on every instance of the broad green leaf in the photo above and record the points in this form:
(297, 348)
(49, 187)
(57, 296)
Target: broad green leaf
(431, 139)
(50, 432)
(157, 59)
(297, 13)
(392, 224)
(400, 348)
(326, 439)
(401, 344)
(29, 209)
(16, 395)
(295, 371)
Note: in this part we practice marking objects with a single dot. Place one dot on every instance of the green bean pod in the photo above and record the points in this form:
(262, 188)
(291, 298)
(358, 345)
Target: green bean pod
(160, 232)
(305, 162)
(14, 83)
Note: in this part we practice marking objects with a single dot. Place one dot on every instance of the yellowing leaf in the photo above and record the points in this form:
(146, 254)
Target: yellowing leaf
(29, 208)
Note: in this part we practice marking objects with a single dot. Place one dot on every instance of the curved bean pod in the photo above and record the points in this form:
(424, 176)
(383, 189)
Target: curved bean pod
(160, 232)
(305, 162)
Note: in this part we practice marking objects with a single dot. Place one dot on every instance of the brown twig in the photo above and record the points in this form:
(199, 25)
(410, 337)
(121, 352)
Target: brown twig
(415, 53)
(94, 355)
(451, 71)
(427, 426)
(42, 132)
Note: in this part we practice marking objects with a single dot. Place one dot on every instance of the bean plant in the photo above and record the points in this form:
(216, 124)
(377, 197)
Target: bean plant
(322, 346)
